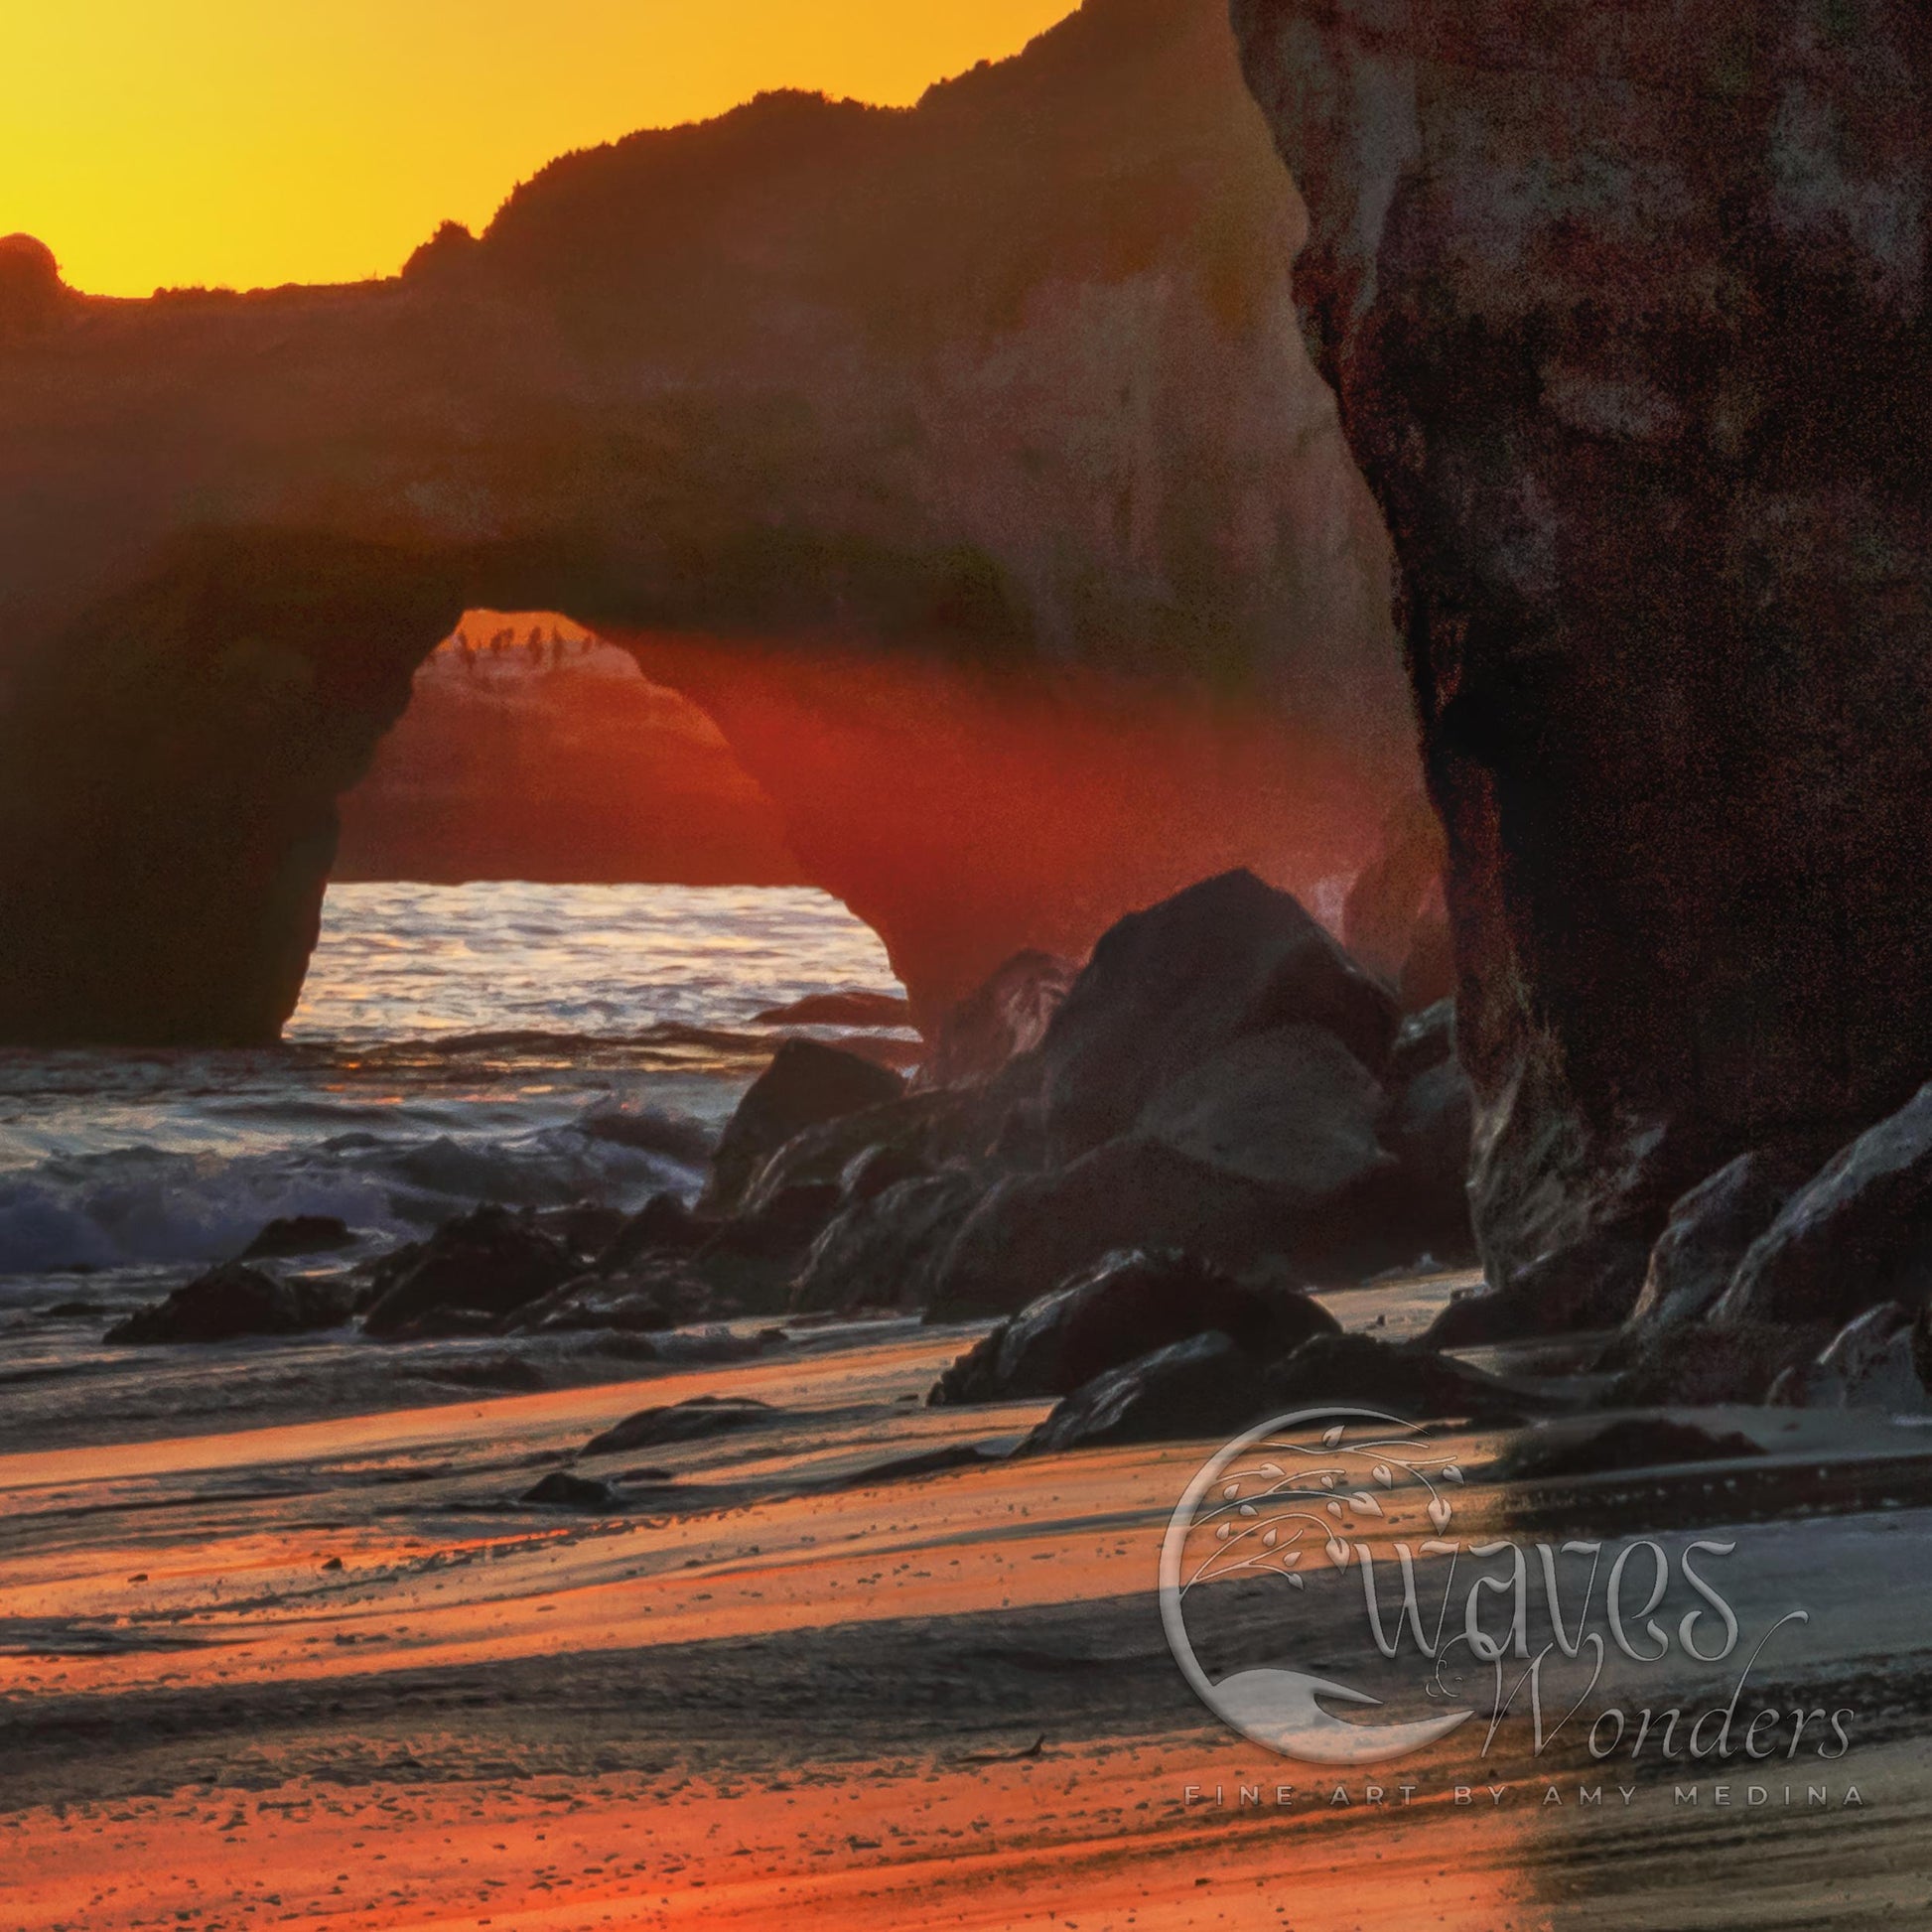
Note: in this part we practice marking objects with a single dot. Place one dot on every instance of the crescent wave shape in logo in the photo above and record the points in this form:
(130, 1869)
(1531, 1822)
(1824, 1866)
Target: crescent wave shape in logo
(1282, 1710)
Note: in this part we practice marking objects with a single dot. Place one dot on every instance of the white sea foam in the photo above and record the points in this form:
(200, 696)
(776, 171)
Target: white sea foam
(520, 1043)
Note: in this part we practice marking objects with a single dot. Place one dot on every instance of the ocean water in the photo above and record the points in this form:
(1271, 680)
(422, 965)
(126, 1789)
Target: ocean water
(529, 1045)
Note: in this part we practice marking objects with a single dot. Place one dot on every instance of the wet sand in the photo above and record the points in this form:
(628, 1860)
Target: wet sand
(787, 1683)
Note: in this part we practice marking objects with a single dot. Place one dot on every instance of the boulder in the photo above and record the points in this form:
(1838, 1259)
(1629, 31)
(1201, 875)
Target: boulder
(657, 1292)
(1405, 1379)
(665, 1224)
(920, 1129)
(1289, 1109)
(1709, 1231)
(1205, 1386)
(806, 1085)
(998, 1022)
(232, 1301)
(585, 1227)
(1169, 987)
(491, 1260)
(1030, 1233)
(1131, 1305)
(885, 1251)
(1873, 1362)
(299, 1234)
(1857, 1234)
(682, 1422)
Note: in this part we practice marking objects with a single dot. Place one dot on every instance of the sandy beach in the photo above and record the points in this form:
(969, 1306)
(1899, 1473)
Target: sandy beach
(335, 1672)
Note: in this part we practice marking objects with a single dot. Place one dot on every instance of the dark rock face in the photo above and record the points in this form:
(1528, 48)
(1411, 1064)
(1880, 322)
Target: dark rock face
(805, 1085)
(1131, 1305)
(931, 382)
(1707, 1236)
(233, 1302)
(1626, 315)
(1858, 1233)
(1428, 1128)
(1169, 987)
(492, 1262)
(1006, 1016)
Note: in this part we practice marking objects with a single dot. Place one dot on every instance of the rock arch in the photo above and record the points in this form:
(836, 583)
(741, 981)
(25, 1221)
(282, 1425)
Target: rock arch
(919, 387)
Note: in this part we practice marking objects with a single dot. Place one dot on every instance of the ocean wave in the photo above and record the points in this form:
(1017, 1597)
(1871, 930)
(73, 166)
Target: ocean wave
(131, 1207)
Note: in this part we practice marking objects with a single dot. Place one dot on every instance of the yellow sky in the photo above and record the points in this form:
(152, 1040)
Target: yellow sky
(251, 142)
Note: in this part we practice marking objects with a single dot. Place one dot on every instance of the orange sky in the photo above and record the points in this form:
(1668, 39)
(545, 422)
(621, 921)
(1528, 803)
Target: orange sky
(248, 142)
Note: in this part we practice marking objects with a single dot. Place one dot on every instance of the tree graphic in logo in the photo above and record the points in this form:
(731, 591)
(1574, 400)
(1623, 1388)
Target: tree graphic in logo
(1282, 1501)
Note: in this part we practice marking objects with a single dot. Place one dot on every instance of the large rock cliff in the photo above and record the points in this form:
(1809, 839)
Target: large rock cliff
(1626, 309)
(1009, 383)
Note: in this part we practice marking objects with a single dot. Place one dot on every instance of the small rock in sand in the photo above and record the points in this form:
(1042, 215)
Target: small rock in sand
(560, 1490)
(682, 1422)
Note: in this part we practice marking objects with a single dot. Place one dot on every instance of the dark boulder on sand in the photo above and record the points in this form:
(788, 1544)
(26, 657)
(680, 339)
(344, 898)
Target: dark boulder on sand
(1708, 1234)
(806, 1085)
(885, 1251)
(299, 1234)
(562, 1491)
(1879, 1361)
(1032, 1231)
(664, 1225)
(491, 1260)
(1169, 987)
(1212, 1386)
(232, 1301)
(1131, 1305)
(1407, 1379)
(1858, 1233)
(682, 1422)
(1206, 1386)
(657, 1292)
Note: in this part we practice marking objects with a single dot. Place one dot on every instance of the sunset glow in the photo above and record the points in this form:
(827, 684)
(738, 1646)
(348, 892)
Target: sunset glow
(230, 143)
